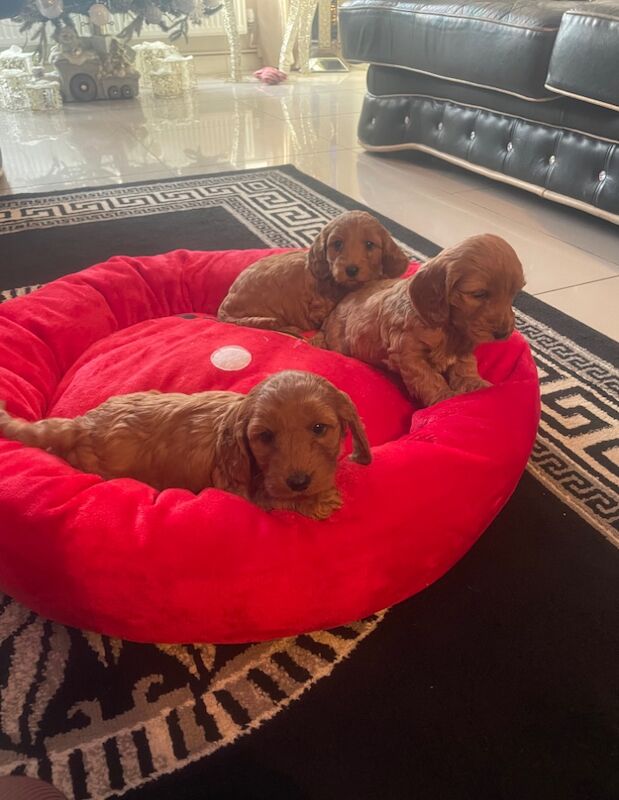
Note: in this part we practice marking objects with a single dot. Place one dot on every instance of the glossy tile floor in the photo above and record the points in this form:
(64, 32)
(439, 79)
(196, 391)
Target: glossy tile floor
(571, 259)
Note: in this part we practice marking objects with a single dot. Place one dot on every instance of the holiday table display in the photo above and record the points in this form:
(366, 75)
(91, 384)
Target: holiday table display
(25, 87)
(94, 67)
(16, 58)
(43, 95)
(164, 70)
(148, 56)
(172, 16)
(13, 89)
(182, 68)
(15, 72)
(166, 84)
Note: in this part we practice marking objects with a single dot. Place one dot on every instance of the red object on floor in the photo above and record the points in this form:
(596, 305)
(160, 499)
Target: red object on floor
(120, 558)
(270, 75)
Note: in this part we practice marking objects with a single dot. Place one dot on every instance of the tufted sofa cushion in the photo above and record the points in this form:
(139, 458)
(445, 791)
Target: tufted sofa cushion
(585, 58)
(576, 115)
(502, 45)
(564, 165)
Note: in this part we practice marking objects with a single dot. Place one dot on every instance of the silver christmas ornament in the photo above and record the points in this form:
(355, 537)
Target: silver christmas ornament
(99, 14)
(50, 9)
(152, 15)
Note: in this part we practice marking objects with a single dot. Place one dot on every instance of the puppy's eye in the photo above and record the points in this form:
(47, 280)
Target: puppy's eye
(266, 437)
(482, 294)
(370, 245)
(337, 244)
(319, 429)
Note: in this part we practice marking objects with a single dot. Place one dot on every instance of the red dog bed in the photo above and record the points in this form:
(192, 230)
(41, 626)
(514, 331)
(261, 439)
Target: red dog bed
(120, 558)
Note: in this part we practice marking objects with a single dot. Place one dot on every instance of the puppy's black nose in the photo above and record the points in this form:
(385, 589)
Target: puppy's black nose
(352, 270)
(500, 334)
(299, 481)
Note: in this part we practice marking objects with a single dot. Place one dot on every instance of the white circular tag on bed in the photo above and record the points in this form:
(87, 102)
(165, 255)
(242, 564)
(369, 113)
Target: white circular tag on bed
(230, 358)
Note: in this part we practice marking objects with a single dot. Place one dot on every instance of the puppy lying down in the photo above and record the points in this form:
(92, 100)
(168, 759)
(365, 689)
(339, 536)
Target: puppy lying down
(294, 292)
(277, 446)
(426, 327)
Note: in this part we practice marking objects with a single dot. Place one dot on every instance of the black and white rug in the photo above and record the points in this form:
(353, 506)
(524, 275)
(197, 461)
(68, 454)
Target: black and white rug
(500, 681)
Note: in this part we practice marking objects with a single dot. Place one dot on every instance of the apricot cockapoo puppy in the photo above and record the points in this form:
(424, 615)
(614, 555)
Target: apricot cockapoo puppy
(294, 292)
(426, 327)
(277, 446)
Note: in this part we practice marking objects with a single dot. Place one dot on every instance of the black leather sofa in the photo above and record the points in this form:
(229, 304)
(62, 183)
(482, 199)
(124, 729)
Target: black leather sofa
(523, 92)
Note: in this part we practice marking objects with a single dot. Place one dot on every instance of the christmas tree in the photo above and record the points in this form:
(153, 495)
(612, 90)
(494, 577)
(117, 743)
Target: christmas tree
(172, 16)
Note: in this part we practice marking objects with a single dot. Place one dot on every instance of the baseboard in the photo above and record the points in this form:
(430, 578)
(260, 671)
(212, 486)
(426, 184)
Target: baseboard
(218, 62)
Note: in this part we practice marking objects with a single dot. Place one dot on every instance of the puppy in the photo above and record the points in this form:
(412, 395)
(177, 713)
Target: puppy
(425, 327)
(277, 446)
(294, 292)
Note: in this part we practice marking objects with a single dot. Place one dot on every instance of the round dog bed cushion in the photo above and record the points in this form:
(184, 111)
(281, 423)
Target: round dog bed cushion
(120, 558)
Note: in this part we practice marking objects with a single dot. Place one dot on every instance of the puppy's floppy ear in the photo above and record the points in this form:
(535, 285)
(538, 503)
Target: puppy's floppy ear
(428, 291)
(234, 458)
(349, 418)
(395, 261)
(317, 255)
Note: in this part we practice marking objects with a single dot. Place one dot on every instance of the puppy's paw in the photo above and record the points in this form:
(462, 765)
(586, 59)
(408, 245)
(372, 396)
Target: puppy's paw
(318, 507)
(464, 385)
(323, 505)
(318, 340)
(291, 330)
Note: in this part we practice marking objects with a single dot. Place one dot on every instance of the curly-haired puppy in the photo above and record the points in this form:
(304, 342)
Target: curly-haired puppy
(425, 327)
(277, 445)
(294, 292)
